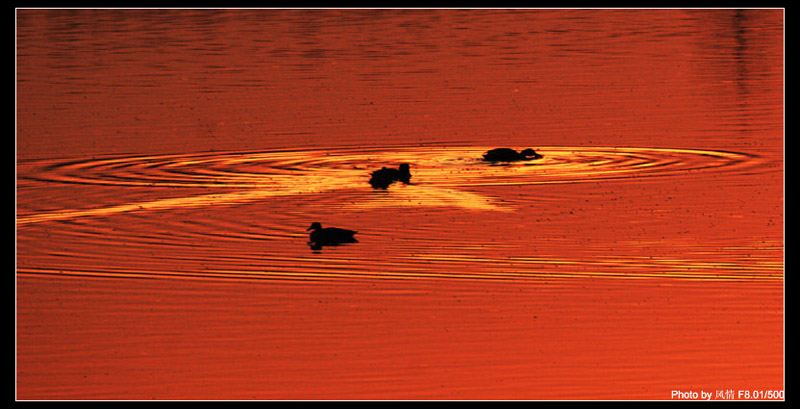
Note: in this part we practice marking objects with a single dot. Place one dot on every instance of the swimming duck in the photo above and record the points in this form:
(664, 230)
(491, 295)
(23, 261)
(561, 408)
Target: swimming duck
(510, 155)
(330, 236)
(384, 177)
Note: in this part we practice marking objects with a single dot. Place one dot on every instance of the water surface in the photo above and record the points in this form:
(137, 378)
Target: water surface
(169, 162)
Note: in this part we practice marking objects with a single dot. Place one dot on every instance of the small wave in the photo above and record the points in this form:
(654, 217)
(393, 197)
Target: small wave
(442, 176)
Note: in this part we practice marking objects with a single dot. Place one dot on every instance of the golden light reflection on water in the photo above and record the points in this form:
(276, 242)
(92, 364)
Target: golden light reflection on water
(629, 267)
(440, 175)
(281, 188)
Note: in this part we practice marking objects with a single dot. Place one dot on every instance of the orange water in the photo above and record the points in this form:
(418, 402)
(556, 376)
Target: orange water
(169, 162)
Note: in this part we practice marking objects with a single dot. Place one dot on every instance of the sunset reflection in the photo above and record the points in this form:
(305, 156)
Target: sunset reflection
(169, 163)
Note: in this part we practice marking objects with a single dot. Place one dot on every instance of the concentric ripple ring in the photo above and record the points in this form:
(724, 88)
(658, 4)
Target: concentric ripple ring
(441, 173)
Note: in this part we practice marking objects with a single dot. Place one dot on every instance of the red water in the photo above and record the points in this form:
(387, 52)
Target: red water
(170, 161)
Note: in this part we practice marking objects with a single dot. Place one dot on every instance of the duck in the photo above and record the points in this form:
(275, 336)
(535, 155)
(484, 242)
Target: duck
(384, 177)
(510, 155)
(330, 236)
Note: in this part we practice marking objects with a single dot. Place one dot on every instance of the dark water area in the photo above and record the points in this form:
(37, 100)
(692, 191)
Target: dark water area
(169, 163)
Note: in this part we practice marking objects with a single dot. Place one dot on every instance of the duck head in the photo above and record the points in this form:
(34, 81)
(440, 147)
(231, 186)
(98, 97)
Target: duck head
(315, 226)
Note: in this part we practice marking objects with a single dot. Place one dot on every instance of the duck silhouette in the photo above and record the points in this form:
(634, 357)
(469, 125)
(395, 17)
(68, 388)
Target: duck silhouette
(330, 236)
(510, 155)
(382, 178)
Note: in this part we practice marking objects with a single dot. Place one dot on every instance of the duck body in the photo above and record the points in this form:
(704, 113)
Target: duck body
(330, 236)
(510, 155)
(384, 177)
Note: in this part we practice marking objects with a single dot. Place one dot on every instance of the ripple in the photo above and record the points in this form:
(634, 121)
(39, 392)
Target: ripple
(451, 266)
(262, 202)
(442, 176)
